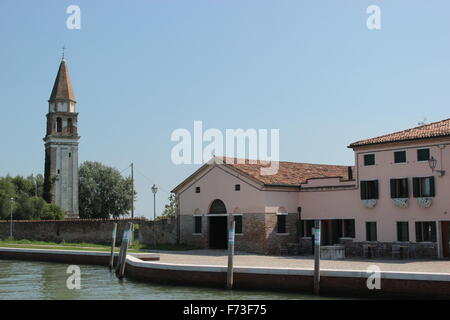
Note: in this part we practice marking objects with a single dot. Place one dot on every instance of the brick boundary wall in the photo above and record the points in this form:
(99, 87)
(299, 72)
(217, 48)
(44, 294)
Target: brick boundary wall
(89, 230)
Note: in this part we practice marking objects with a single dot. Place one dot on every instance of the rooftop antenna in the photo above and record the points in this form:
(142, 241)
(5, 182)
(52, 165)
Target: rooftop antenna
(423, 122)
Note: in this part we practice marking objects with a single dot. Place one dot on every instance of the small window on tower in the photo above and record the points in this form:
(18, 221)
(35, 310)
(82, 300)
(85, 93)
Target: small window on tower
(70, 154)
(69, 125)
(58, 125)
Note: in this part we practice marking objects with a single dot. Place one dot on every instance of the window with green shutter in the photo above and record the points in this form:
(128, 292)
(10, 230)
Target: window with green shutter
(426, 231)
(423, 154)
(371, 231)
(369, 189)
(349, 228)
(369, 159)
(423, 187)
(399, 188)
(402, 231)
(400, 156)
(306, 228)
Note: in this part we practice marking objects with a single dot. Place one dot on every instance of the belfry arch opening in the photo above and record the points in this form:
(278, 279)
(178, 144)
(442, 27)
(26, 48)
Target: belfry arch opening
(217, 225)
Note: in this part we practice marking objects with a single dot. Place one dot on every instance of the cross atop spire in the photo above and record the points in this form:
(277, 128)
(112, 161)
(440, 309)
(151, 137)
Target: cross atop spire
(63, 50)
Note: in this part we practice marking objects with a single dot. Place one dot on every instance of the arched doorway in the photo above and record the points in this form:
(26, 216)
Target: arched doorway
(217, 225)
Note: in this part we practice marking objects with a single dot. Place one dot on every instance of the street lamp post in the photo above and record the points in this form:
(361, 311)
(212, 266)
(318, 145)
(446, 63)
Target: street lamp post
(154, 190)
(11, 221)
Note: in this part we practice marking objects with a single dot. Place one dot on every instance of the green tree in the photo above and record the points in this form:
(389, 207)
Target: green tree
(26, 205)
(104, 193)
(28, 208)
(52, 212)
(170, 209)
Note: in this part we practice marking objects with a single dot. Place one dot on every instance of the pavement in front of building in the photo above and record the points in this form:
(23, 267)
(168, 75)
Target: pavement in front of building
(220, 257)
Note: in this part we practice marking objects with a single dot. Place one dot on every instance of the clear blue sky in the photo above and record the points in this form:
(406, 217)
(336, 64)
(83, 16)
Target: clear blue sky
(141, 69)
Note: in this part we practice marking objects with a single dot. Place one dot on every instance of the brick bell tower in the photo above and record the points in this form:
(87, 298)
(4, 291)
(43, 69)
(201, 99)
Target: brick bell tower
(61, 145)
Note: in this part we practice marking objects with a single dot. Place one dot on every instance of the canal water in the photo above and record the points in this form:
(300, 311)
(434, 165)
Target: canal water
(43, 280)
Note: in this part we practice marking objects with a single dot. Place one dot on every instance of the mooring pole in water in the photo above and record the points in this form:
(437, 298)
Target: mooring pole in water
(119, 259)
(120, 270)
(113, 246)
(317, 257)
(230, 254)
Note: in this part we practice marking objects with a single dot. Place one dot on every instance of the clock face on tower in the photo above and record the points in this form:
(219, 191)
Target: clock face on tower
(61, 145)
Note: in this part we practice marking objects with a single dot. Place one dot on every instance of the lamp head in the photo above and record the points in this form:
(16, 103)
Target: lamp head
(154, 188)
(432, 163)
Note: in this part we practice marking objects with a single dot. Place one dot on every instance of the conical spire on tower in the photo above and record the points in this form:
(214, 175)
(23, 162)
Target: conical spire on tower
(62, 89)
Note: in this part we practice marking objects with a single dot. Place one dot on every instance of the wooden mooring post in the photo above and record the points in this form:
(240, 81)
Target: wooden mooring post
(120, 269)
(113, 246)
(231, 234)
(317, 257)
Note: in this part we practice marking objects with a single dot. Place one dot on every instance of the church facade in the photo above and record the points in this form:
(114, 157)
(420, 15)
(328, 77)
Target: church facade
(61, 145)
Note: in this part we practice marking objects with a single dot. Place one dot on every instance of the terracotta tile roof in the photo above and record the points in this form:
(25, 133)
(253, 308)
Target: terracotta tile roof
(432, 130)
(62, 89)
(289, 173)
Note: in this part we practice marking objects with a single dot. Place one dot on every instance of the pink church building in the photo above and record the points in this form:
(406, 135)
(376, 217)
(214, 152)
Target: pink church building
(395, 200)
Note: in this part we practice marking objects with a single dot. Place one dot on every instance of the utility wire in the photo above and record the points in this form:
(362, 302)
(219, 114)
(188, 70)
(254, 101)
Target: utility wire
(151, 180)
(125, 169)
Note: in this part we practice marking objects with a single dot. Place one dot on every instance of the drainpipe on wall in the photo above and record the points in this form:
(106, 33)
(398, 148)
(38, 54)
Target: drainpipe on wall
(442, 171)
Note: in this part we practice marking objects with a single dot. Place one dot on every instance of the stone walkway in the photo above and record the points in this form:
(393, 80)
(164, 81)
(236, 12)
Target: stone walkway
(219, 257)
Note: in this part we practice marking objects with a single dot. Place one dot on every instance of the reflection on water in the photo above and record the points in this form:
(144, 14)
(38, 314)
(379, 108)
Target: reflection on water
(42, 280)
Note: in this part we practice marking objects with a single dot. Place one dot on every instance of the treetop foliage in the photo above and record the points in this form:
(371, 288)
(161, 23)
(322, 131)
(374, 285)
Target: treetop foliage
(28, 203)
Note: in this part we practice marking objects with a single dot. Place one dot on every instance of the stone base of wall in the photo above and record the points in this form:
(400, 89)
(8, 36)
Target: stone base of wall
(332, 282)
(391, 250)
(384, 250)
(259, 234)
